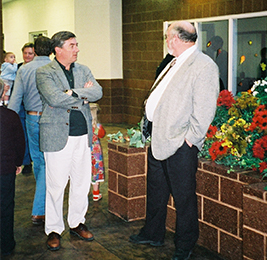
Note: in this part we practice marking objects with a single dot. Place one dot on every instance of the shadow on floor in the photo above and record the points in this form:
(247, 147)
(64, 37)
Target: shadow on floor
(111, 233)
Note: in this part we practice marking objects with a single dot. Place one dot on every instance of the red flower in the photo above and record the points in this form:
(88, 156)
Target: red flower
(260, 119)
(211, 131)
(225, 99)
(217, 149)
(260, 147)
(263, 166)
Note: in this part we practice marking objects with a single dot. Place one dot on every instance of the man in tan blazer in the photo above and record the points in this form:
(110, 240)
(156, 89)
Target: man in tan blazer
(181, 108)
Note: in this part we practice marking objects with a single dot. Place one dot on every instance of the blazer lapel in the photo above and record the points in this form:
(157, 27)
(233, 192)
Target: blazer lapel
(178, 77)
(60, 74)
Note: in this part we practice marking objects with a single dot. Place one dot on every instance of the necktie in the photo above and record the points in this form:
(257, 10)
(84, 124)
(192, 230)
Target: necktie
(146, 125)
(159, 80)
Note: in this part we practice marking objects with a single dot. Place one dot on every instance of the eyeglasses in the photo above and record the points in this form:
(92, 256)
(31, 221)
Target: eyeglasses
(166, 36)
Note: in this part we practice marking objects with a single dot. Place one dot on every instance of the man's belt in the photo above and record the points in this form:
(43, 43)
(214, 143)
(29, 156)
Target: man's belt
(34, 113)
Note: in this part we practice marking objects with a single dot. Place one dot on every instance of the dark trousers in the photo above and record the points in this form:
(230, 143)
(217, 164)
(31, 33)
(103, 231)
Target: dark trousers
(177, 176)
(7, 194)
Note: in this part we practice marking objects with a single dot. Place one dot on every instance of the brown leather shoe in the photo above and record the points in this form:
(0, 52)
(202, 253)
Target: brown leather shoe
(38, 220)
(53, 241)
(82, 232)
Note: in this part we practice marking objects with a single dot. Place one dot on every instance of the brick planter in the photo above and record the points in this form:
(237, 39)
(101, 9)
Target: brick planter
(232, 206)
(127, 181)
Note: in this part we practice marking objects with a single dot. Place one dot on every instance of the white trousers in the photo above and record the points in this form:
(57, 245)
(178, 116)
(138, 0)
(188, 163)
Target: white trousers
(72, 163)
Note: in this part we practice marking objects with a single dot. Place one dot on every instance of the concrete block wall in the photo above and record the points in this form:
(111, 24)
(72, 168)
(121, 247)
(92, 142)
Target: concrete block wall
(127, 181)
(143, 39)
(232, 206)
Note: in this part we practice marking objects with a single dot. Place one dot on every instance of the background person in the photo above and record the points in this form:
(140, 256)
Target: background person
(25, 90)
(12, 146)
(97, 154)
(27, 55)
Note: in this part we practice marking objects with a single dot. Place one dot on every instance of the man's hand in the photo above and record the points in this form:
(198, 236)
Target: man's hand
(18, 170)
(188, 143)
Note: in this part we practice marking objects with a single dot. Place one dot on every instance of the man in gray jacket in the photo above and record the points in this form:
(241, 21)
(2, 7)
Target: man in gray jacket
(66, 89)
(25, 90)
(181, 108)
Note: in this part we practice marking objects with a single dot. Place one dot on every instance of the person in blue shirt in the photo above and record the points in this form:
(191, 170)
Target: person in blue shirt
(25, 90)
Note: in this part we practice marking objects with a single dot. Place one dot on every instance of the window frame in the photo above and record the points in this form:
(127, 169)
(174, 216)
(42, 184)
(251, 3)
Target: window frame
(232, 38)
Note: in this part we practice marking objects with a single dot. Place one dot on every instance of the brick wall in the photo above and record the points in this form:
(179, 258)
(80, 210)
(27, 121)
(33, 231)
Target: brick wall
(143, 41)
(232, 207)
(112, 102)
(127, 181)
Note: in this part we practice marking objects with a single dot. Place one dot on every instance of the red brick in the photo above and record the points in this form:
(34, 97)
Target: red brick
(231, 247)
(208, 237)
(132, 187)
(207, 184)
(253, 245)
(220, 216)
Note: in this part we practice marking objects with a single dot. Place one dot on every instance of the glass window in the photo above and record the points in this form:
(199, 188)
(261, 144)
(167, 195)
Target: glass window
(251, 51)
(237, 43)
(213, 40)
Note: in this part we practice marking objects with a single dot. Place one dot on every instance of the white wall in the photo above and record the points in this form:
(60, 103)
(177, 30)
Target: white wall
(98, 26)
(23, 16)
(96, 23)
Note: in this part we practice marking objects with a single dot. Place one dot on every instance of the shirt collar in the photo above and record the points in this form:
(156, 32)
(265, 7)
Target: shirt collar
(72, 65)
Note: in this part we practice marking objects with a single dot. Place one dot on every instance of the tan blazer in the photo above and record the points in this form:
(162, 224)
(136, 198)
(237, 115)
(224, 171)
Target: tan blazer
(187, 107)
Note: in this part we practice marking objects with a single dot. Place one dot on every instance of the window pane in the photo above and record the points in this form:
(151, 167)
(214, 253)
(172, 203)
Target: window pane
(251, 51)
(213, 40)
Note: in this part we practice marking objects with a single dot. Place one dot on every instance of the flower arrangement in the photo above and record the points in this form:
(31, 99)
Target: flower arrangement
(238, 134)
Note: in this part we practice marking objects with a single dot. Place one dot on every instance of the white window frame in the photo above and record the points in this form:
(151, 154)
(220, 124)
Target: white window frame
(232, 27)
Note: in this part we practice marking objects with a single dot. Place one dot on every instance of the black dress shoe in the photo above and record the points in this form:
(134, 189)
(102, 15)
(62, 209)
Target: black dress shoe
(181, 254)
(138, 239)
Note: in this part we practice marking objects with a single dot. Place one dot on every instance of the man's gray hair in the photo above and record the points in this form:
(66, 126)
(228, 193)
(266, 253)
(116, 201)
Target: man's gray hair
(184, 35)
(59, 38)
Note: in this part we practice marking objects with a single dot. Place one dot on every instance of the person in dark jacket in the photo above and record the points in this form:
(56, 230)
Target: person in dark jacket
(12, 148)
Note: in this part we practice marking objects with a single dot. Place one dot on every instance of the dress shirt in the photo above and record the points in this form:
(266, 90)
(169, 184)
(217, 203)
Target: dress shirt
(25, 86)
(77, 121)
(155, 96)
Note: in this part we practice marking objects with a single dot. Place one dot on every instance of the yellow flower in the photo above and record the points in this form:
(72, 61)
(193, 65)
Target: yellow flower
(227, 143)
(224, 128)
(263, 66)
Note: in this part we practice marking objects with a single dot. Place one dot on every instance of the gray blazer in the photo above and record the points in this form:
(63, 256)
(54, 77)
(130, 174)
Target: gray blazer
(187, 107)
(54, 122)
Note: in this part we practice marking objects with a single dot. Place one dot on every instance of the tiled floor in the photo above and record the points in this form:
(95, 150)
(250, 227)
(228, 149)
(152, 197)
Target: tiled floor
(111, 233)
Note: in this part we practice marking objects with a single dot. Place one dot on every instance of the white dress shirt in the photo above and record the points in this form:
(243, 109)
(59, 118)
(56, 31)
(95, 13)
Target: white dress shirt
(155, 96)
